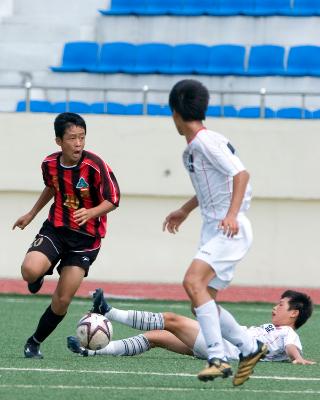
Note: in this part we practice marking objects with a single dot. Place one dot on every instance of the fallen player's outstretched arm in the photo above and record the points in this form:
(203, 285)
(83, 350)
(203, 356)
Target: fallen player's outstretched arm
(295, 356)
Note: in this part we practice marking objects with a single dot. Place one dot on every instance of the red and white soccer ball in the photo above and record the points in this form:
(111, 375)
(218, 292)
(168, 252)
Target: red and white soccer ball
(94, 331)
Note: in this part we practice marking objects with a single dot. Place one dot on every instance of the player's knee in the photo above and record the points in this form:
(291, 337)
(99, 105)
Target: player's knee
(170, 320)
(61, 303)
(192, 286)
(27, 272)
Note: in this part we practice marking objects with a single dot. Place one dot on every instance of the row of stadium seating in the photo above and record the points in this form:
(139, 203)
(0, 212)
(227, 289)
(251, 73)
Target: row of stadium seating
(214, 7)
(160, 58)
(158, 109)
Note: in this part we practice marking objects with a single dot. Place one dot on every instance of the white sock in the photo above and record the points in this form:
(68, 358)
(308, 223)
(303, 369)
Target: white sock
(208, 318)
(142, 320)
(236, 334)
(125, 347)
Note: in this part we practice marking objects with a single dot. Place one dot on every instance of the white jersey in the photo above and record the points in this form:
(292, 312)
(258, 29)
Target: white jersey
(275, 337)
(212, 163)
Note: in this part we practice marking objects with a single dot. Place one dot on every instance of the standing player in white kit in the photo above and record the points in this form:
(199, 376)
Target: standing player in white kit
(223, 194)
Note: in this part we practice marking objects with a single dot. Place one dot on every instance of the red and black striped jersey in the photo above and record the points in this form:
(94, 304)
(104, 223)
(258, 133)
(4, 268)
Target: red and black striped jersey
(86, 185)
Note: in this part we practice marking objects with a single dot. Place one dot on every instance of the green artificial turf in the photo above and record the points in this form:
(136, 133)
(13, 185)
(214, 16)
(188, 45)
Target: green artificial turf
(155, 375)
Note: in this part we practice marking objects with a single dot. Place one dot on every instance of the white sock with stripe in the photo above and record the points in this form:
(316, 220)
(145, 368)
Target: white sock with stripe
(142, 320)
(125, 347)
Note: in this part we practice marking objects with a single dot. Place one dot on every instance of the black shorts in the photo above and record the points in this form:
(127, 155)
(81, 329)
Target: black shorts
(66, 247)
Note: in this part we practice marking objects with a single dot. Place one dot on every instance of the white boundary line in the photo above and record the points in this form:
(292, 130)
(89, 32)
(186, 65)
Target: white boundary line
(161, 389)
(86, 371)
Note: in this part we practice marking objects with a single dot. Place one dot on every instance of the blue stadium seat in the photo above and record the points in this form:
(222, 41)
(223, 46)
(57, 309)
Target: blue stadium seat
(188, 58)
(151, 58)
(255, 112)
(226, 112)
(159, 109)
(306, 8)
(231, 7)
(134, 109)
(304, 60)
(73, 106)
(35, 106)
(164, 7)
(78, 56)
(197, 7)
(266, 60)
(98, 108)
(116, 108)
(316, 114)
(293, 112)
(125, 7)
(225, 59)
(115, 57)
(270, 7)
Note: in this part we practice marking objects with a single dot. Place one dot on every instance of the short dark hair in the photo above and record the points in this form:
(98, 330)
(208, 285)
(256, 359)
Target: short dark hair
(301, 302)
(190, 99)
(64, 120)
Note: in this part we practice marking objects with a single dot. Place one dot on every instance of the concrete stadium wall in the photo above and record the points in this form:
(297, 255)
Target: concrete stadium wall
(145, 154)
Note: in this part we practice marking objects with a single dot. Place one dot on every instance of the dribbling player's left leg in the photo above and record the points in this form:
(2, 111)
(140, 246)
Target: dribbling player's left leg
(69, 282)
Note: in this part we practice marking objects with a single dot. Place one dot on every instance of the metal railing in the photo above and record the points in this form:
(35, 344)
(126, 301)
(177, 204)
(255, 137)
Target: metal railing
(145, 92)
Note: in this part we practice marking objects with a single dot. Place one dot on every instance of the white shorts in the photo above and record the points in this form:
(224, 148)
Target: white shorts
(223, 253)
(200, 349)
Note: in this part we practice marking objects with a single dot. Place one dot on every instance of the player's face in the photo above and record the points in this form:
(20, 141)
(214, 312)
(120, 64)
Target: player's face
(72, 144)
(281, 315)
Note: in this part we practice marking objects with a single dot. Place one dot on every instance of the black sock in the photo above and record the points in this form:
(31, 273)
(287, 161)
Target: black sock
(47, 324)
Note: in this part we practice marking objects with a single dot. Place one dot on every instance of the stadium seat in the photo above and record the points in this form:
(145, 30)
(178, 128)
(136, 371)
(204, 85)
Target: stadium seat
(115, 57)
(197, 7)
(218, 111)
(293, 112)
(134, 109)
(316, 114)
(306, 8)
(163, 7)
(72, 106)
(116, 108)
(304, 60)
(230, 7)
(187, 58)
(270, 7)
(35, 106)
(125, 7)
(225, 59)
(98, 108)
(151, 58)
(159, 109)
(255, 112)
(266, 60)
(78, 56)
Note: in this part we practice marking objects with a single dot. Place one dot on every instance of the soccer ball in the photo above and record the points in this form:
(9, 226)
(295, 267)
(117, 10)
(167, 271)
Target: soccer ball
(94, 331)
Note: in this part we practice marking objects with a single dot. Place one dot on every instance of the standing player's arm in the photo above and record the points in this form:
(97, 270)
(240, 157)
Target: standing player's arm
(295, 355)
(44, 198)
(175, 219)
(82, 215)
(230, 224)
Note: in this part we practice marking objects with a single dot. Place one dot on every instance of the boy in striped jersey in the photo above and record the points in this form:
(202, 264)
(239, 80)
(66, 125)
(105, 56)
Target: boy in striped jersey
(84, 190)
(183, 335)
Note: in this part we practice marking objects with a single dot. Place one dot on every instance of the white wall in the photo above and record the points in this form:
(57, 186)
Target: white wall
(282, 157)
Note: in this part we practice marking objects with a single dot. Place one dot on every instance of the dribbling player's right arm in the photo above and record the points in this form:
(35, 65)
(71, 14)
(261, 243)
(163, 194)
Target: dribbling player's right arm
(43, 199)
